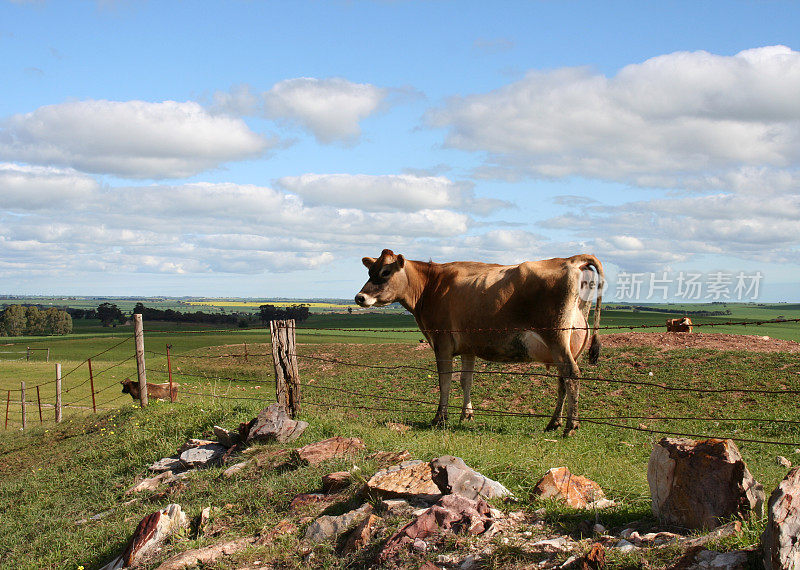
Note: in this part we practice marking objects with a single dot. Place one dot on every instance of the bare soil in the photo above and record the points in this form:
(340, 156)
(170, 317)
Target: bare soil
(714, 341)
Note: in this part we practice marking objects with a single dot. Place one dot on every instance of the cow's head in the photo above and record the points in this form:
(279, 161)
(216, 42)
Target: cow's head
(387, 280)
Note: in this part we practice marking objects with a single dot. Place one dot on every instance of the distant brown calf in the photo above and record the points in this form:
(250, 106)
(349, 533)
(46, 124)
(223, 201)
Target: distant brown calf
(679, 325)
(153, 390)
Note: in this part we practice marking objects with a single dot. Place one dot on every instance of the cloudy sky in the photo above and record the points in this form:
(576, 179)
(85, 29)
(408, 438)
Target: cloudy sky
(260, 149)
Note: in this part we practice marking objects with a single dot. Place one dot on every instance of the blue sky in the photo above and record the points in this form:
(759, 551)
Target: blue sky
(262, 148)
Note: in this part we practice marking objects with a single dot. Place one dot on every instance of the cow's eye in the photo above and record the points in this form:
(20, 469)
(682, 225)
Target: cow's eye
(384, 274)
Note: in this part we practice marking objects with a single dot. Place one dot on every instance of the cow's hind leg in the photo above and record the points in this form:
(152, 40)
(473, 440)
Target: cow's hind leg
(568, 376)
(467, 371)
(444, 366)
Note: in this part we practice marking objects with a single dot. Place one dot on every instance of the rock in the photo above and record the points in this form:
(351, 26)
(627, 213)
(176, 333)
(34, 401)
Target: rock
(471, 562)
(453, 476)
(333, 448)
(729, 529)
(624, 546)
(599, 529)
(327, 526)
(206, 454)
(226, 437)
(335, 482)
(557, 544)
(273, 424)
(148, 536)
(575, 490)
(783, 462)
(695, 484)
(194, 443)
(207, 555)
(780, 540)
(361, 535)
(154, 483)
(712, 560)
(410, 479)
(452, 512)
(399, 428)
(395, 506)
(167, 464)
(389, 457)
(235, 469)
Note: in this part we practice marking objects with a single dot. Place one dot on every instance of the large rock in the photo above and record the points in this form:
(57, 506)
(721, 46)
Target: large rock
(361, 535)
(410, 479)
(333, 448)
(208, 454)
(697, 484)
(327, 526)
(148, 536)
(454, 512)
(273, 423)
(167, 464)
(576, 491)
(781, 538)
(453, 476)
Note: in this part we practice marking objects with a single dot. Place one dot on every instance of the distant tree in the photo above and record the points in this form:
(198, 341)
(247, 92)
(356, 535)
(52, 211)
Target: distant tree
(58, 322)
(108, 313)
(13, 321)
(349, 310)
(36, 322)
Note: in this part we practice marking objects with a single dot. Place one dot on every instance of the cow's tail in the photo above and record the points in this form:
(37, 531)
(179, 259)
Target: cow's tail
(590, 261)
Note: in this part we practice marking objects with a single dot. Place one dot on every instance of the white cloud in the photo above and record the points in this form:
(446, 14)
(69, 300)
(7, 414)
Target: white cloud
(132, 139)
(404, 192)
(36, 187)
(330, 108)
(199, 228)
(673, 117)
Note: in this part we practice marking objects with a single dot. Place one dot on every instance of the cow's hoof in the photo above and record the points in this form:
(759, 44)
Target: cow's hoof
(553, 425)
(439, 420)
(467, 416)
(570, 430)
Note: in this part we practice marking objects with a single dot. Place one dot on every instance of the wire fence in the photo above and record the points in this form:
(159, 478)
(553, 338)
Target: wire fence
(91, 390)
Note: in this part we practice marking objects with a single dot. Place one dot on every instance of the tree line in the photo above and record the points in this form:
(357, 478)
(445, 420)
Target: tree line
(19, 320)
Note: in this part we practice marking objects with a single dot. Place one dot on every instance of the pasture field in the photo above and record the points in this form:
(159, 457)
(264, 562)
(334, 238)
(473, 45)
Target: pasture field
(354, 382)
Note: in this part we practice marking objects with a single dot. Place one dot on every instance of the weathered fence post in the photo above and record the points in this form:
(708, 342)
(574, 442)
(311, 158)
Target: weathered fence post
(91, 385)
(169, 370)
(39, 399)
(27, 353)
(48, 354)
(8, 406)
(287, 376)
(22, 402)
(58, 392)
(138, 333)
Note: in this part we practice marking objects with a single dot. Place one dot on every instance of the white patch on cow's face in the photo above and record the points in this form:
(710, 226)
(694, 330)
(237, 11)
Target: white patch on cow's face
(365, 301)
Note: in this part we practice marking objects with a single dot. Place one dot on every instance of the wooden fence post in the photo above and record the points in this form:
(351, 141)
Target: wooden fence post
(138, 333)
(39, 399)
(48, 354)
(287, 376)
(27, 353)
(91, 385)
(22, 402)
(8, 405)
(169, 371)
(58, 392)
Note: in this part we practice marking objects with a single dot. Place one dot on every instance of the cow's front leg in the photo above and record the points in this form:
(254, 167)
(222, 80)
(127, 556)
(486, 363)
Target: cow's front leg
(555, 421)
(467, 371)
(444, 366)
(568, 376)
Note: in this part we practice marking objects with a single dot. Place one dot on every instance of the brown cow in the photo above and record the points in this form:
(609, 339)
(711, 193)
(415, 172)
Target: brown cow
(535, 311)
(679, 325)
(153, 390)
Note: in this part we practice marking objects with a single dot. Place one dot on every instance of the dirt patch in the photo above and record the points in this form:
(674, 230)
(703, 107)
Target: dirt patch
(714, 341)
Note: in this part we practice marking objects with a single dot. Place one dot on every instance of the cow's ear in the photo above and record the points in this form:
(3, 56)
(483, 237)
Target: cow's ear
(400, 261)
(368, 261)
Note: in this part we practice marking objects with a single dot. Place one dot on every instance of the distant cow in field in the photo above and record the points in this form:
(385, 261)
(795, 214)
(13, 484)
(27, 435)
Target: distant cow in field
(679, 325)
(158, 391)
(535, 311)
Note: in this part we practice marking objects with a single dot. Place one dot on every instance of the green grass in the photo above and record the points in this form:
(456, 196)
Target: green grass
(53, 475)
